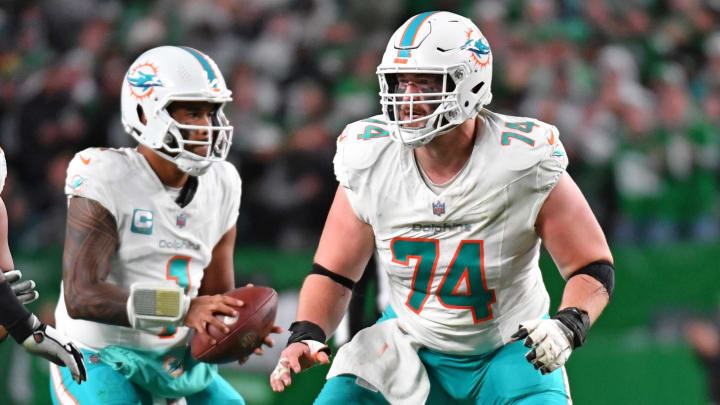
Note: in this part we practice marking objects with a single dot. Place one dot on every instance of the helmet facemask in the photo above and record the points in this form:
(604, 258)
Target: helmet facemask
(407, 127)
(178, 146)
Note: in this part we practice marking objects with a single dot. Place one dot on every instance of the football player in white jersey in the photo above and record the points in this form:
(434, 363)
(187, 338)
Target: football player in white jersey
(150, 240)
(455, 200)
(27, 330)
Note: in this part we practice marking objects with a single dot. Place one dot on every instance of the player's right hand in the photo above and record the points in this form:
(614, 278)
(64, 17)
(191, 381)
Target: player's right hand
(47, 342)
(203, 309)
(24, 290)
(295, 358)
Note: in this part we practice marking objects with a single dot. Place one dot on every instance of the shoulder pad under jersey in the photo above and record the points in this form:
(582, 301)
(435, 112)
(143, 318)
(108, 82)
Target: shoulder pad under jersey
(359, 147)
(526, 142)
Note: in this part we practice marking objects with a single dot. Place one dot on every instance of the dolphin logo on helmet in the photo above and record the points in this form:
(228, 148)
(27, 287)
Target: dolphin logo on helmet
(479, 50)
(142, 78)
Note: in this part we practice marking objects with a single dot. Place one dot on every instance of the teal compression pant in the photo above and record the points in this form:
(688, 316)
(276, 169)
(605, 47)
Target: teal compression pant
(499, 377)
(106, 386)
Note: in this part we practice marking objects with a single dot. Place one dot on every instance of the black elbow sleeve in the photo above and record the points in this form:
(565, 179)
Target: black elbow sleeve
(602, 271)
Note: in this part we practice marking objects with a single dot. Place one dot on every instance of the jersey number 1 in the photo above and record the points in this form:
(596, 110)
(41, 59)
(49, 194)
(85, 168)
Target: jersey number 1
(462, 287)
(177, 270)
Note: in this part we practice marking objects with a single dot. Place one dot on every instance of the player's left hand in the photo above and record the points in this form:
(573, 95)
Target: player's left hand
(294, 359)
(554, 339)
(203, 309)
(550, 340)
(24, 290)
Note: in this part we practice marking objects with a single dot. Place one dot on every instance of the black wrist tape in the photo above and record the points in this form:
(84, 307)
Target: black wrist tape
(342, 280)
(13, 315)
(577, 321)
(305, 330)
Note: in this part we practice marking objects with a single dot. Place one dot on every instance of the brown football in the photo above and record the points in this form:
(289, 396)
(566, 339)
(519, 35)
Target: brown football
(247, 331)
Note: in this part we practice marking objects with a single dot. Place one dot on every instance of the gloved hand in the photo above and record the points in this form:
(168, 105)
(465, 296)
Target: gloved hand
(24, 290)
(47, 342)
(553, 340)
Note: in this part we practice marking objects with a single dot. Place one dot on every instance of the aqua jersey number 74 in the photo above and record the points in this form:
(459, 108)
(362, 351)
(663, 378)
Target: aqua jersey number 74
(463, 285)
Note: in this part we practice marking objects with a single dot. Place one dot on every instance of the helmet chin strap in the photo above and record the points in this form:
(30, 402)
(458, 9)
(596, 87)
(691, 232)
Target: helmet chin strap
(193, 167)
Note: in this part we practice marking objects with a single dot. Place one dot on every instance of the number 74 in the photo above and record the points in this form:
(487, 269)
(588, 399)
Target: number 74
(467, 269)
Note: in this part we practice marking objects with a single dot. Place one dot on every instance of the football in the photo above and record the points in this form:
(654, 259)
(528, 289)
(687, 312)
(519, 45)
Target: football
(247, 330)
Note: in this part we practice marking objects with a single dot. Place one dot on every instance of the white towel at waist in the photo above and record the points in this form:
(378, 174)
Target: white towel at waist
(386, 357)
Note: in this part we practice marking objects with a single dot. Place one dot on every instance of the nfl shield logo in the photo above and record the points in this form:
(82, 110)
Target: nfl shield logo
(439, 208)
(181, 220)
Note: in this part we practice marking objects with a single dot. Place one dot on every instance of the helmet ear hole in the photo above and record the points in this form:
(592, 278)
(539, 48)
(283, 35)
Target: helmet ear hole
(141, 114)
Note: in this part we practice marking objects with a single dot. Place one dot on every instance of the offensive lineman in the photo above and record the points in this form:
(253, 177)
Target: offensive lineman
(27, 330)
(150, 240)
(455, 199)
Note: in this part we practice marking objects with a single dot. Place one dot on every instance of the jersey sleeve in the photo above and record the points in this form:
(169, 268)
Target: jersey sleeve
(233, 195)
(3, 170)
(552, 165)
(345, 176)
(339, 167)
(358, 148)
(87, 177)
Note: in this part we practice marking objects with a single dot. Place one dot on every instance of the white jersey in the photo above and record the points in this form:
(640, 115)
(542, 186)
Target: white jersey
(158, 239)
(3, 169)
(463, 264)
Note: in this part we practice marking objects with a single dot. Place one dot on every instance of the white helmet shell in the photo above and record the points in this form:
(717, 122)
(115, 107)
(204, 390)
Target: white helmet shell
(443, 43)
(166, 74)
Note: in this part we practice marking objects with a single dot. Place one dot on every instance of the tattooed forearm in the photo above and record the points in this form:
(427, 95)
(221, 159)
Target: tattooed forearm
(91, 240)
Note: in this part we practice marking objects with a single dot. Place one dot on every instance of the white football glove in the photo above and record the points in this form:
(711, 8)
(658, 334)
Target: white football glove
(47, 342)
(551, 341)
(554, 339)
(24, 290)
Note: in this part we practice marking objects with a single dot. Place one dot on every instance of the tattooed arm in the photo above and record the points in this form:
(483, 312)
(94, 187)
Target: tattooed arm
(91, 240)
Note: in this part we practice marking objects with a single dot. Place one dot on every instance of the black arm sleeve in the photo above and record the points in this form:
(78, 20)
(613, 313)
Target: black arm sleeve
(13, 315)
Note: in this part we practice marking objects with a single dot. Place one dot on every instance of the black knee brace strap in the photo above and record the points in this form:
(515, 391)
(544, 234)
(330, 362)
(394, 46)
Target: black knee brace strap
(602, 271)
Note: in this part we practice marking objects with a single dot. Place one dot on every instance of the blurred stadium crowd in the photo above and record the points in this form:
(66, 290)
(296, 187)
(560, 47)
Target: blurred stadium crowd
(632, 85)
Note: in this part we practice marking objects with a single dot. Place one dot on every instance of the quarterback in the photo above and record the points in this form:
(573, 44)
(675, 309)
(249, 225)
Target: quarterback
(150, 240)
(455, 200)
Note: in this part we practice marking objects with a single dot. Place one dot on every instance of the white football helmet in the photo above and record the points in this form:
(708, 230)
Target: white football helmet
(443, 43)
(166, 74)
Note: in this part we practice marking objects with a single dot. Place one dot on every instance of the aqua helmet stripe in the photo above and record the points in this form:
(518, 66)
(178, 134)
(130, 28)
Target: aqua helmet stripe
(411, 31)
(205, 64)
